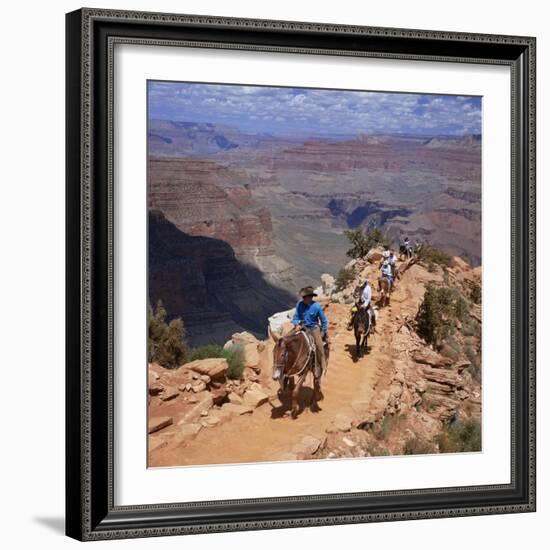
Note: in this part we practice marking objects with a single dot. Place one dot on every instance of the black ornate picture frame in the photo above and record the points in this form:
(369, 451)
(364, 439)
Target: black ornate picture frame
(90, 510)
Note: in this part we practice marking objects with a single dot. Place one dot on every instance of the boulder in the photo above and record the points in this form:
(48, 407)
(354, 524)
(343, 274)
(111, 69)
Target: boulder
(461, 365)
(254, 396)
(244, 338)
(155, 388)
(342, 423)
(186, 433)
(236, 409)
(308, 445)
(235, 398)
(251, 356)
(328, 284)
(169, 393)
(276, 321)
(201, 386)
(203, 405)
(446, 377)
(214, 367)
(211, 420)
(459, 263)
(429, 357)
(158, 422)
(449, 352)
(153, 376)
(374, 256)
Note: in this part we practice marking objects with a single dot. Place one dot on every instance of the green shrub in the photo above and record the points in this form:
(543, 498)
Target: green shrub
(234, 356)
(363, 241)
(439, 314)
(166, 342)
(344, 277)
(460, 437)
(431, 257)
(475, 294)
(416, 446)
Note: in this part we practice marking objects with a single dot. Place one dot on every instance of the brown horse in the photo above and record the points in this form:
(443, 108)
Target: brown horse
(361, 328)
(385, 291)
(294, 358)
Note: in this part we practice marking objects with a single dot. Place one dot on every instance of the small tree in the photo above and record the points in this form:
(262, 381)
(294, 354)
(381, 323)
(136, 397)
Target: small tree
(344, 278)
(362, 241)
(475, 294)
(166, 342)
(432, 256)
(439, 313)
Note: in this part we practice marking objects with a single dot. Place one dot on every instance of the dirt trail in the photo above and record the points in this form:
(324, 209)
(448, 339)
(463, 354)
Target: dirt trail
(268, 433)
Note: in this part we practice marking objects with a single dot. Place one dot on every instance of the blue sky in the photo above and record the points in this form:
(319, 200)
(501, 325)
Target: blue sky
(287, 111)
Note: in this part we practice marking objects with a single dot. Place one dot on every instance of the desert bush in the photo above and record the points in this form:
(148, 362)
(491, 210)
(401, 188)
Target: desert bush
(344, 277)
(475, 363)
(362, 241)
(475, 294)
(416, 446)
(234, 356)
(439, 314)
(166, 341)
(460, 437)
(376, 450)
(471, 328)
(390, 421)
(431, 257)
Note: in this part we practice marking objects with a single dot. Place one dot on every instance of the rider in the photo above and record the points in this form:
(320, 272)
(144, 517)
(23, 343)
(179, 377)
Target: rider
(406, 245)
(392, 260)
(386, 270)
(365, 302)
(310, 313)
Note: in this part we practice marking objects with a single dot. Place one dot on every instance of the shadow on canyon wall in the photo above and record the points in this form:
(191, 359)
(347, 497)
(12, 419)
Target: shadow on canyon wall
(200, 280)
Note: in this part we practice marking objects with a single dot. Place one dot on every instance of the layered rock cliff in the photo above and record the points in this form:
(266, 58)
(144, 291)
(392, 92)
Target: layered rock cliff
(202, 198)
(201, 280)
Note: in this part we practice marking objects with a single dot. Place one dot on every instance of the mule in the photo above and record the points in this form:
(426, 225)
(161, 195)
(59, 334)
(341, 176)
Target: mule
(406, 251)
(294, 358)
(385, 291)
(361, 329)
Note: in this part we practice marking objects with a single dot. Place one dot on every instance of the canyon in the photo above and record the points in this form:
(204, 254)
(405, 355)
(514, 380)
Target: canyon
(281, 205)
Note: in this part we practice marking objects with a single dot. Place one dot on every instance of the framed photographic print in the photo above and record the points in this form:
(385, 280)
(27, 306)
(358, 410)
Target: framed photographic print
(300, 274)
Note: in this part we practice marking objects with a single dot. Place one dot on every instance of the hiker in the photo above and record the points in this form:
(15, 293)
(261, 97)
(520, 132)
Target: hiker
(392, 260)
(406, 248)
(309, 314)
(386, 270)
(364, 301)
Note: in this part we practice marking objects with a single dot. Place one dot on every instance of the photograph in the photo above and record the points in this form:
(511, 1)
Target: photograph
(314, 274)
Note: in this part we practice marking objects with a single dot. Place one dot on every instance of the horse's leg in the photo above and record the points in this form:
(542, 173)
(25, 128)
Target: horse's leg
(295, 394)
(357, 344)
(317, 389)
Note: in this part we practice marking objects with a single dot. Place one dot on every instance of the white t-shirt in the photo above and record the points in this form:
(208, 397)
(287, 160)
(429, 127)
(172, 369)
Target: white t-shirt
(366, 295)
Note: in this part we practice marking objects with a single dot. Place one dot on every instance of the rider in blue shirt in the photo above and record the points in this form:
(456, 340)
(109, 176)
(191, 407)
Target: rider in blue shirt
(309, 314)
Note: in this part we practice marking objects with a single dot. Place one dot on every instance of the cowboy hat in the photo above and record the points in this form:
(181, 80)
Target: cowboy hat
(307, 291)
